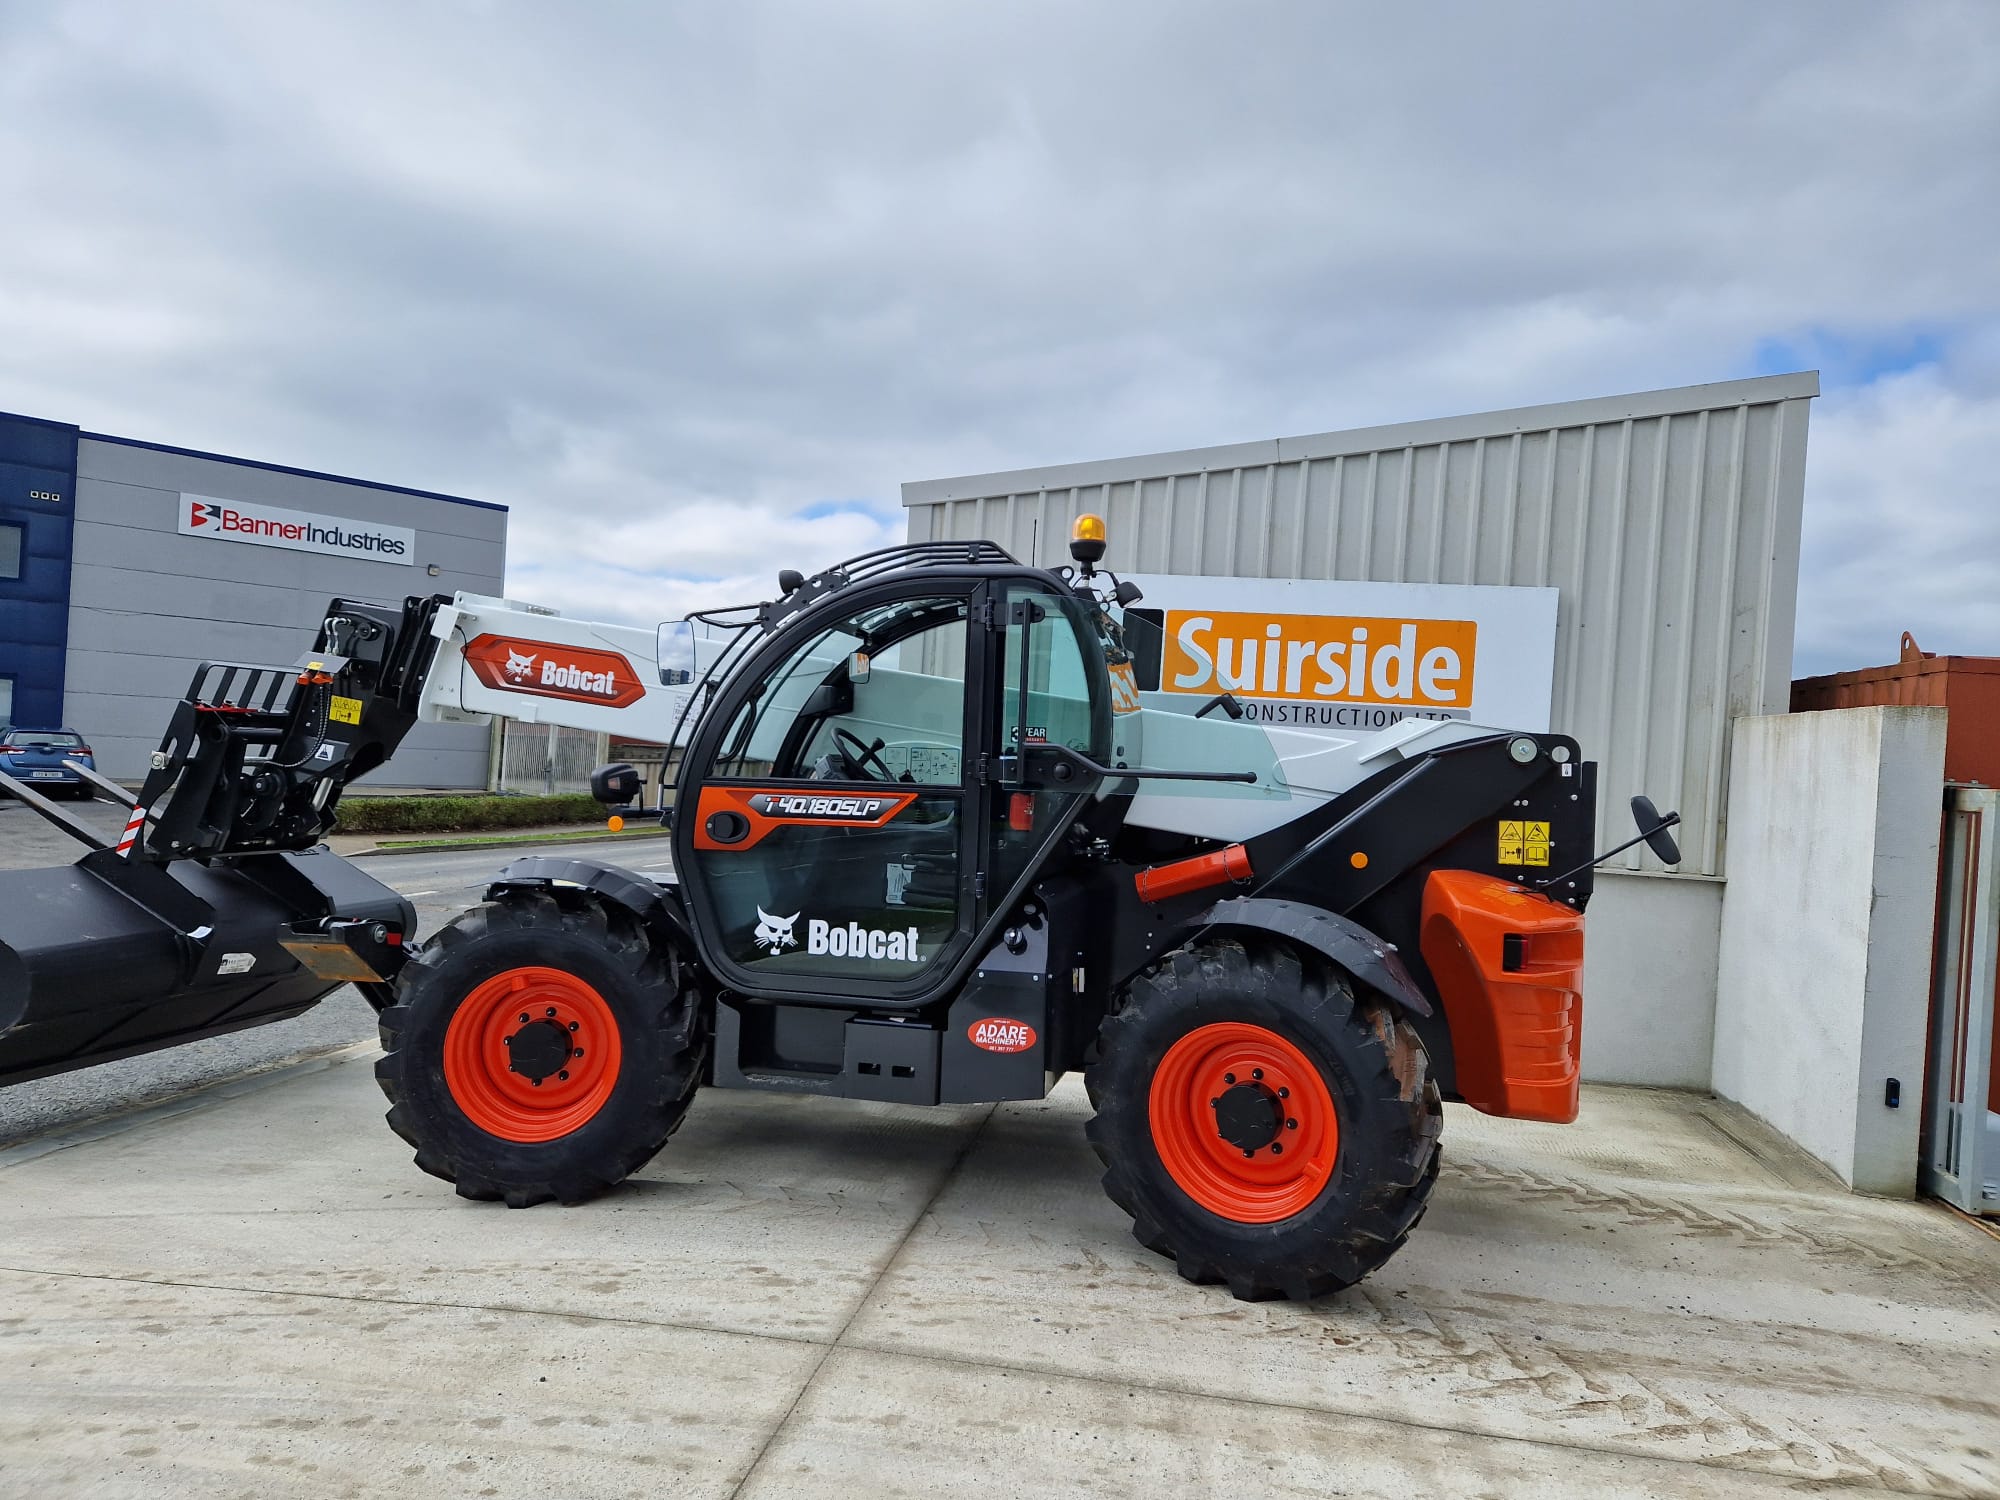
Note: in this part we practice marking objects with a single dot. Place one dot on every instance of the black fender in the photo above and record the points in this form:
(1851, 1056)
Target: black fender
(657, 905)
(1347, 944)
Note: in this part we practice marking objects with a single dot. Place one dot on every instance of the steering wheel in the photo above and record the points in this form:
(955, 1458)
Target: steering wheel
(864, 762)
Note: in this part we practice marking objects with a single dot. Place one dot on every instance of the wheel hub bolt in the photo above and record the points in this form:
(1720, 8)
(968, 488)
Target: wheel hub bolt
(1256, 1072)
(1291, 1124)
(1229, 1078)
(1284, 1093)
(1277, 1147)
(575, 1025)
(524, 1018)
(550, 1012)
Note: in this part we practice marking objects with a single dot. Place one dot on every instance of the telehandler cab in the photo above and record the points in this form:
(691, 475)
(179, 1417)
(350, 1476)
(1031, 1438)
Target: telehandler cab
(930, 846)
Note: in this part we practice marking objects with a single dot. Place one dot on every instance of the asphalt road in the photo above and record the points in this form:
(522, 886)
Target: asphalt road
(441, 885)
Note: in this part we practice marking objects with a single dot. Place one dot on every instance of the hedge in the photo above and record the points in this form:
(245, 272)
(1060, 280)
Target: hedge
(454, 814)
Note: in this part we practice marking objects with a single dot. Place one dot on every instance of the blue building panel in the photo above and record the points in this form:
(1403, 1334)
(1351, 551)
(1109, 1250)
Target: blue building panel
(37, 494)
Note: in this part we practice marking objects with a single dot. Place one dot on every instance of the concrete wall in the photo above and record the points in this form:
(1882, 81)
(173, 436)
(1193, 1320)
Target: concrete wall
(1823, 984)
(146, 604)
(1649, 980)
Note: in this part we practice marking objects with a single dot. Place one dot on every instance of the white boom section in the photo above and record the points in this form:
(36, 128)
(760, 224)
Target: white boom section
(500, 656)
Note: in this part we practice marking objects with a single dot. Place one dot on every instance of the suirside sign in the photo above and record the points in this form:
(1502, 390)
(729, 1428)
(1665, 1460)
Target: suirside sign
(301, 531)
(1346, 655)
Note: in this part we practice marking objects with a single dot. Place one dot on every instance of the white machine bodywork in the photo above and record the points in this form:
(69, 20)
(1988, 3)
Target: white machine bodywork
(1293, 766)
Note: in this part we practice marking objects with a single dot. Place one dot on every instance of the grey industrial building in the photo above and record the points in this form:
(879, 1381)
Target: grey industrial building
(124, 564)
(1668, 520)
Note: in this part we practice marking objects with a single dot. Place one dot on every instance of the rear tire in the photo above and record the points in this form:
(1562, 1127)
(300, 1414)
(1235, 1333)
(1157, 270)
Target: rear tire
(1176, 1109)
(614, 1047)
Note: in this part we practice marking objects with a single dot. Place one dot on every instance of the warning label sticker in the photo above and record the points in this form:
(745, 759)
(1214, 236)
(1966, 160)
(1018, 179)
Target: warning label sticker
(1523, 843)
(344, 710)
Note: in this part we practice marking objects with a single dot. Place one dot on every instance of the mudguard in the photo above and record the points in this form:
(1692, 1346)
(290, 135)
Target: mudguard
(1353, 947)
(656, 904)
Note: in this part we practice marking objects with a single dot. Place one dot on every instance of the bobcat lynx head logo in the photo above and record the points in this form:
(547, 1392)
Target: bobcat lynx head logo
(774, 934)
(519, 667)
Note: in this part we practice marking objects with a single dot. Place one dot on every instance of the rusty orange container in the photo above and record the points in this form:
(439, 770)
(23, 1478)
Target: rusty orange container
(1969, 686)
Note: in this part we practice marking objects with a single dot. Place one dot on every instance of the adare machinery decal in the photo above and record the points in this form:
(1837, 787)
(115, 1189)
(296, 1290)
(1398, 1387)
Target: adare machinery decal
(580, 674)
(301, 531)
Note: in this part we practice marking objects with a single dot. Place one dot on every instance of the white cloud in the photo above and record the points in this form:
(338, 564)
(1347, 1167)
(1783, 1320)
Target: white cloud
(1903, 528)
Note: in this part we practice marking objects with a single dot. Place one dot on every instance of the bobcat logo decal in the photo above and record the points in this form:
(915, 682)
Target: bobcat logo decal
(519, 667)
(774, 934)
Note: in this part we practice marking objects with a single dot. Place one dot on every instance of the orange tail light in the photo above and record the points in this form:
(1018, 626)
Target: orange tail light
(1509, 968)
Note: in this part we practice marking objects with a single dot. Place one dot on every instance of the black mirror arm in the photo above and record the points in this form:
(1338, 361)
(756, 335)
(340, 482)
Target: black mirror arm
(1224, 701)
(1069, 762)
(1671, 820)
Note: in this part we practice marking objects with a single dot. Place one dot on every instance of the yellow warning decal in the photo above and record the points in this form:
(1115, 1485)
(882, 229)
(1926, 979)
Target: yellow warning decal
(345, 710)
(1523, 843)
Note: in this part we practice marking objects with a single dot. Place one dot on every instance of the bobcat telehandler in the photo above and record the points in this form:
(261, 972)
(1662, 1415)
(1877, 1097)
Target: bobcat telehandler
(930, 846)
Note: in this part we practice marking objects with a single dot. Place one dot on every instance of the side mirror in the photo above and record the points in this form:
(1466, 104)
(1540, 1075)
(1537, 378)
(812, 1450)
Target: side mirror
(1127, 593)
(858, 667)
(615, 784)
(676, 653)
(1653, 826)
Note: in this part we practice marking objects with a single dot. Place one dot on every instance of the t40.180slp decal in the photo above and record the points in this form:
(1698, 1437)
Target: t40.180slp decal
(740, 817)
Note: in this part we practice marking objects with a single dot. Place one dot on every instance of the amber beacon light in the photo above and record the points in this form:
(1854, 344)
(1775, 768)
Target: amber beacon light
(1086, 539)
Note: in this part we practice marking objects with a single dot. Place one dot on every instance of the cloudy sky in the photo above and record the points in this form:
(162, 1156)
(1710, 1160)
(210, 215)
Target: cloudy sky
(694, 288)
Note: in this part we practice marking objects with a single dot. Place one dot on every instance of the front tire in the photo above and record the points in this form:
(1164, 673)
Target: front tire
(1263, 1126)
(538, 1050)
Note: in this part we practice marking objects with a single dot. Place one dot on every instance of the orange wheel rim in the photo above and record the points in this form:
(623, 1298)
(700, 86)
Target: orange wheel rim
(1243, 1122)
(531, 1054)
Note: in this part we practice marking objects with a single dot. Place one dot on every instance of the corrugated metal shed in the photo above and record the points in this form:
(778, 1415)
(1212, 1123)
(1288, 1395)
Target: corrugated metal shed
(1669, 520)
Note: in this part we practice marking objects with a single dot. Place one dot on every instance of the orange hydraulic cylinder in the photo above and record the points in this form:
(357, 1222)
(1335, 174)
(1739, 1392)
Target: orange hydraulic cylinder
(1185, 875)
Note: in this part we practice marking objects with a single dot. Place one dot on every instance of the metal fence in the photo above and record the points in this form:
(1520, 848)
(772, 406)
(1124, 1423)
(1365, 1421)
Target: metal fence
(543, 759)
(1669, 521)
(1962, 1130)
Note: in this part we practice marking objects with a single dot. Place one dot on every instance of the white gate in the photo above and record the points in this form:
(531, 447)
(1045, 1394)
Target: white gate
(1962, 1146)
(542, 759)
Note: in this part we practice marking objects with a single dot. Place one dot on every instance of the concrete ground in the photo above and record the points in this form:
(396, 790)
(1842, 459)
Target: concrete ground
(253, 1292)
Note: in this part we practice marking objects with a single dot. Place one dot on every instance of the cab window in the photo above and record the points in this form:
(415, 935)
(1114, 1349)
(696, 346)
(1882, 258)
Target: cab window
(877, 697)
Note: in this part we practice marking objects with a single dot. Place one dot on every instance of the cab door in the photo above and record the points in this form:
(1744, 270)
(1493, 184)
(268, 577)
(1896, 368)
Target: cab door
(829, 850)
(1051, 693)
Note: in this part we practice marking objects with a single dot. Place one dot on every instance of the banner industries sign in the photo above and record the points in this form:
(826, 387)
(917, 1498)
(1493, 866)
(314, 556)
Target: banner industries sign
(301, 531)
(1346, 655)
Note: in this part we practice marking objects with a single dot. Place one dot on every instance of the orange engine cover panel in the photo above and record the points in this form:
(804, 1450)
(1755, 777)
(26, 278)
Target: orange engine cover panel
(1516, 1033)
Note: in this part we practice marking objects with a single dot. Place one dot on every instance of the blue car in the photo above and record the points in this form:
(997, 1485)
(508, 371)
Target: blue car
(36, 756)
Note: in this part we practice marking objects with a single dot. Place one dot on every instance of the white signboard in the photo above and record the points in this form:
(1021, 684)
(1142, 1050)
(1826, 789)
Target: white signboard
(301, 531)
(1345, 655)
